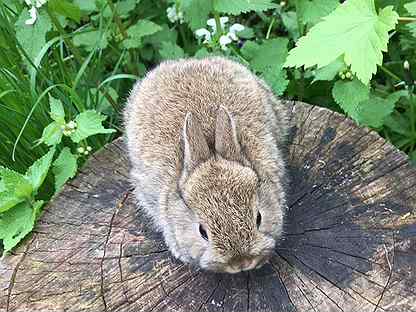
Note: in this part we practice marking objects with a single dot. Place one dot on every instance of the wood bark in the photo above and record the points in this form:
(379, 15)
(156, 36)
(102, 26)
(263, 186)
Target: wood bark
(350, 242)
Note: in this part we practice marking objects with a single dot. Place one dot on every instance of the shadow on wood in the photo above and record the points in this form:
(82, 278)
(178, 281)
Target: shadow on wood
(350, 241)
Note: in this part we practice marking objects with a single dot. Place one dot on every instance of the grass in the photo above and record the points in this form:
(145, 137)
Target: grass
(80, 81)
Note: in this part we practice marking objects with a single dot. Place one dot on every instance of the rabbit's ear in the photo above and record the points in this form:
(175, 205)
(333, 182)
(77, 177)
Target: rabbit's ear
(196, 148)
(226, 141)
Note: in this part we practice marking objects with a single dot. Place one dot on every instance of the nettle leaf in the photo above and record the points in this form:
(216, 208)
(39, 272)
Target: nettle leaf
(57, 110)
(139, 30)
(202, 53)
(411, 8)
(236, 7)
(171, 51)
(373, 112)
(277, 80)
(65, 8)
(17, 222)
(353, 30)
(52, 134)
(271, 53)
(268, 59)
(289, 20)
(349, 94)
(86, 6)
(196, 12)
(311, 12)
(329, 71)
(36, 173)
(32, 37)
(89, 123)
(91, 40)
(165, 34)
(64, 168)
(125, 7)
(15, 189)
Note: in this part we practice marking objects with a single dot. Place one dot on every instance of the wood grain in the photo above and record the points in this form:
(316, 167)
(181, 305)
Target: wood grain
(350, 242)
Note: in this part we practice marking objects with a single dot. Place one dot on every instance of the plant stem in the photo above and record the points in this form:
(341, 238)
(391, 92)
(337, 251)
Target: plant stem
(389, 73)
(405, 19)
(270, 27)
(299, 18)
(218, 31)
(183, 36)
(117, 19)
(239, 55)
(67, 41)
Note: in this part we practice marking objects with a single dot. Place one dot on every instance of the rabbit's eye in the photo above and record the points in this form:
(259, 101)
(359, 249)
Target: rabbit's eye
(258, 220)
(203, 232)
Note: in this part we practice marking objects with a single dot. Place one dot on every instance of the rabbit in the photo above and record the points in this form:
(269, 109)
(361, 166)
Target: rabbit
(203, 139)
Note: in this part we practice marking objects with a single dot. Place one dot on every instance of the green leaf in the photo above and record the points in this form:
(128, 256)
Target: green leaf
(329, 71)
(166, 34)
(412, 28)
(411, 8)
(373, 112)
(398, 123)
(236, 7)
(36, 173)
(89, 123)
(66, 9)
(276, 79)
(17, 222)
(171, 51)
(91, 40)
(86, 6)
(139, 30)
(52, 134)
(349, 94)
(412, 157)
(57, 110)
(196, 12)
(353, 30)
(15, 189)
(125, 7)
(290, 22)
(64, 168)
(32, 37)
(271, 53)
(249, 49)
(202, 53)
(311, 12)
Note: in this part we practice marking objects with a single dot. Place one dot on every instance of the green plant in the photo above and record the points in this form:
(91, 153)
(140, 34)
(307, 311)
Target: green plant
(66, 67)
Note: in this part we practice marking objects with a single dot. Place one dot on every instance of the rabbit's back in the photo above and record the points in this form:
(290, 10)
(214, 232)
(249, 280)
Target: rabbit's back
(157, 108)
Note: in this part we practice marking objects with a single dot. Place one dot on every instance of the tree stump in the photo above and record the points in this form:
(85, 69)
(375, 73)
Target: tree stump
(350, 241)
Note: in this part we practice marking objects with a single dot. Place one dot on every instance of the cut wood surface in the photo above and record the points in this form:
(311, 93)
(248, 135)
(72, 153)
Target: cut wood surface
(350, 242)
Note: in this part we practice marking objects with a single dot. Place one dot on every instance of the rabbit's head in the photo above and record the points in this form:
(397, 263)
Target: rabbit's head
(230, 218)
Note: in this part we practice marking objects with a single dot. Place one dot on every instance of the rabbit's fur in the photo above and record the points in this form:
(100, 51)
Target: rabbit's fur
(203, 142)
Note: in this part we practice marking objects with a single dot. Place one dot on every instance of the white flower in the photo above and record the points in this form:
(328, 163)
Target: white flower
(224, 40)
(80, 150)
(211, 22)
(39, 3)
(236, 28)
(71, 125)
(174, 15)
(33, 10)
(33, 16)
(203, 33)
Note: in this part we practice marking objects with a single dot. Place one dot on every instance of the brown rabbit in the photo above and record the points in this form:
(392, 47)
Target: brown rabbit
(203, 143)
